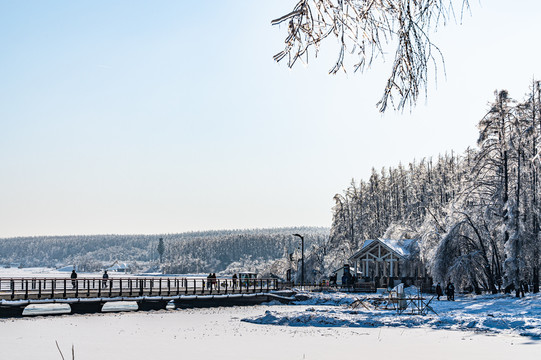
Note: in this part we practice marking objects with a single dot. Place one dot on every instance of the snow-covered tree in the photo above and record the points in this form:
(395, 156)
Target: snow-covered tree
(477, 214)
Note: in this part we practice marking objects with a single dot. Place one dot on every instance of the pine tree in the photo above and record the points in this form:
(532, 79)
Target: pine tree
(161, 249)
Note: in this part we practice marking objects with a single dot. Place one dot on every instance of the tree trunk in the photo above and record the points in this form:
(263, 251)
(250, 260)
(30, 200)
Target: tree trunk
(536, 279)
(488, 269)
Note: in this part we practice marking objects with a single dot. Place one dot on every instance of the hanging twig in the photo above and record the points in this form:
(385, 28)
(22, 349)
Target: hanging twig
(366, 29)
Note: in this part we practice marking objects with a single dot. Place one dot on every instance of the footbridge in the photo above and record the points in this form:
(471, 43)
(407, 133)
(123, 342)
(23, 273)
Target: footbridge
(88, 295)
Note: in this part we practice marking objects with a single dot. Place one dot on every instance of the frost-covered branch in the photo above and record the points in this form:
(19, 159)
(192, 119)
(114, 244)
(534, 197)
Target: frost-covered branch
(366, 29)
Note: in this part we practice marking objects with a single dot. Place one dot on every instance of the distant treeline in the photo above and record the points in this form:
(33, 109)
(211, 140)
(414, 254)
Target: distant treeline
(208, 251)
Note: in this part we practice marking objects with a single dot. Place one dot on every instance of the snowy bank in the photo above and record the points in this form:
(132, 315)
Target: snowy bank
(486, 313)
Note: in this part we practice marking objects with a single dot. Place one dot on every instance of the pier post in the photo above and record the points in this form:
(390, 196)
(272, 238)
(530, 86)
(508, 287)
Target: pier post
(86, 307)
(11, 311)
(147, 305)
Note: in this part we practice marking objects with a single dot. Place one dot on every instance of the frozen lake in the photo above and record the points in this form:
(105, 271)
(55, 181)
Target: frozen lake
(324, 327)
(219, 333)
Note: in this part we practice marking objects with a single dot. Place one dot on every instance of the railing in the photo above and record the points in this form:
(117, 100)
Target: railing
(62, 288)
(325, 286)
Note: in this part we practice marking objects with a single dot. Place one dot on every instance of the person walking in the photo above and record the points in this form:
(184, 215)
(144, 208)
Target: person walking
(73, 277)
(214, 281)
(439, 291)
(105, 277)
(523, 288)
(234, 281)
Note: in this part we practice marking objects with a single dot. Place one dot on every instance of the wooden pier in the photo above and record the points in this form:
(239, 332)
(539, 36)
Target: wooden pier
(88, 295)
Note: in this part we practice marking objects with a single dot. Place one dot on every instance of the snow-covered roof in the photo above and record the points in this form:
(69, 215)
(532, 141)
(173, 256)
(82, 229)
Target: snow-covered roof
(67, 268)
(402, 247)
(118, 267)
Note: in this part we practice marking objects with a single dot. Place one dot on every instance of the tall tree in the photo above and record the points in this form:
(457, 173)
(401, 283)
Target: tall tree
(161, 249)
(477, 215)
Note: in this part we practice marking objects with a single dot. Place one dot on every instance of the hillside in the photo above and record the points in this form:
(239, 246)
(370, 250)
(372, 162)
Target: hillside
(209, 251)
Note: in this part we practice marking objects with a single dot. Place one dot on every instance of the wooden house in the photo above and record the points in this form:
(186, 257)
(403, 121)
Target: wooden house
(386, 263)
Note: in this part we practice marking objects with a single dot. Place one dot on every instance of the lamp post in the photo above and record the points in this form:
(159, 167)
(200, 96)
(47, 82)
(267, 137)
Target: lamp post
(302, 259)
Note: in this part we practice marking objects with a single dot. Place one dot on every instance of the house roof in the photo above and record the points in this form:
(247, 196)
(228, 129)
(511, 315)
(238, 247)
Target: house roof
(117, 267)
(402, 248)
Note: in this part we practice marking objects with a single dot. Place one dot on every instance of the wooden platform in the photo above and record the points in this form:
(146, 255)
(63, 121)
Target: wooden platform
(87, 295)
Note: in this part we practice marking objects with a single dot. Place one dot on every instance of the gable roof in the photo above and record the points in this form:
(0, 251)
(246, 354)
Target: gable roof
(402, 248)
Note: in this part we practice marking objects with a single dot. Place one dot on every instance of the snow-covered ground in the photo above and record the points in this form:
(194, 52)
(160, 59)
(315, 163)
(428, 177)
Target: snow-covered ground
(495, 314)
(32, 272)
(43, 272)
(220, 333)
(324, 326)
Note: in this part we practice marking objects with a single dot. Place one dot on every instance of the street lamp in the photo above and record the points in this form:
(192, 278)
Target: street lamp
(302, 259)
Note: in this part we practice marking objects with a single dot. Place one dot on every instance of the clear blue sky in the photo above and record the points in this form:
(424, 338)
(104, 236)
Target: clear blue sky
(160, 117)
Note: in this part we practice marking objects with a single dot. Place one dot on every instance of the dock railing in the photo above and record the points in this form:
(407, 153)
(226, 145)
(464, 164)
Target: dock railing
(91, 287)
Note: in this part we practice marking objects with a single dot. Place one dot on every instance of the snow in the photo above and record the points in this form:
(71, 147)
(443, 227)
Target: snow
(402, 247)
(497, 314)
(45, 272)
(33, 272)
(220, 333)
(324, 326)
(123, 267)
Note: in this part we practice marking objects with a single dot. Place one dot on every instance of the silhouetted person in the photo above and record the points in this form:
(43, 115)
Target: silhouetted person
(332, 279)
(523, 288)
(509, 288)
(450, 292)
(349, 280)
(439, 291)
(105, 277)
(234, 281)
(73, 277)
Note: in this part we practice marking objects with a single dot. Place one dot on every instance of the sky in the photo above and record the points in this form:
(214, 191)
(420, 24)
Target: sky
(139, 117)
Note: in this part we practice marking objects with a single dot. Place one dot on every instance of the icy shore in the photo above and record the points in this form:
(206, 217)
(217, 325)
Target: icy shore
(501, 314)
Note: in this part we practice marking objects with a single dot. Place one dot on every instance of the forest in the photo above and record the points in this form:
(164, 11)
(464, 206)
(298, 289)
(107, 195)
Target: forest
(192, 252)
(476, 214)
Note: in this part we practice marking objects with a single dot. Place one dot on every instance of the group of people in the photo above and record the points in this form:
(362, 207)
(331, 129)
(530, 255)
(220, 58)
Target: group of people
(449, 291)
(348, 279)
(211, 281)
(333, 279)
